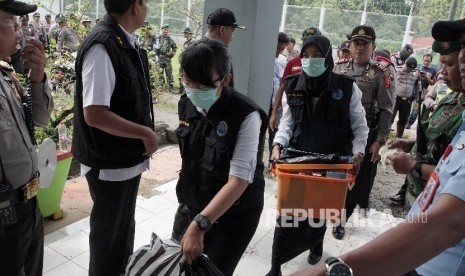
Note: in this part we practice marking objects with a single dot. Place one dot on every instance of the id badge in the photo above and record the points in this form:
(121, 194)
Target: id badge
(427, 195)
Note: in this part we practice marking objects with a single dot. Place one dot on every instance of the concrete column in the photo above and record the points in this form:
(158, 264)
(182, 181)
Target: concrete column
(253, 50)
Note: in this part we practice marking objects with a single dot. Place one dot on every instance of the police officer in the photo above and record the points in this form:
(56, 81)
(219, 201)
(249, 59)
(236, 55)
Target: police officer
(343, 53)
(407, 91)
(68, 39)
(374, 81)
(21, 224)
(39, 30)
(166, 49)
(400, 57)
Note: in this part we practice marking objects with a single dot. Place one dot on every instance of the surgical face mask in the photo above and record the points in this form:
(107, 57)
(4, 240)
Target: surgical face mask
(202, 98)
(313, 67)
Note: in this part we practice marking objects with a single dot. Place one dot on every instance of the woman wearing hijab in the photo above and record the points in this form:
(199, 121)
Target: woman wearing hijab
(221, 135)
(322, 113)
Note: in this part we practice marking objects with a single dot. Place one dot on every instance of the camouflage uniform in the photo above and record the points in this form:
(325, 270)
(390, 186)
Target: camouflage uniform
(165, 52)
(188, 43)
(147, 40)
(440, 129)
(374, 81)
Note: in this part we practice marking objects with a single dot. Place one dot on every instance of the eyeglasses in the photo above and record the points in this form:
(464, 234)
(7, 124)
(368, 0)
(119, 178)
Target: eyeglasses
(187, 82)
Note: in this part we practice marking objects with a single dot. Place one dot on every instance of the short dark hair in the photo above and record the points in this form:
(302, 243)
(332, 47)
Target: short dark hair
(428, 55)
(283, 38)
(200, 59)
(291, 40)
(118, 6)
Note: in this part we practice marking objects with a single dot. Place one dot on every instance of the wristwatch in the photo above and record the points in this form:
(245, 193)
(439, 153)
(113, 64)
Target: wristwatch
(203, 223)
(416, 171)
(337, 267)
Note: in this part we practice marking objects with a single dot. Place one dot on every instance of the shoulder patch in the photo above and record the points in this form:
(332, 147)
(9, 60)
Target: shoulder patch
(379, 66)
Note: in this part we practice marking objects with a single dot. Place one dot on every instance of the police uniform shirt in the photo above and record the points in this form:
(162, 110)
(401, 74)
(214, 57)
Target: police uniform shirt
(371, 80)
(407, 83)
(67, 39)
(451, 174)
(19, 157)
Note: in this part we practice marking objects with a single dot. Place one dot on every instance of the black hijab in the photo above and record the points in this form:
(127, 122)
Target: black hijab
(316, 85)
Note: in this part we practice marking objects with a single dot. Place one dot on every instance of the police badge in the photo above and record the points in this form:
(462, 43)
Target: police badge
(222, 129)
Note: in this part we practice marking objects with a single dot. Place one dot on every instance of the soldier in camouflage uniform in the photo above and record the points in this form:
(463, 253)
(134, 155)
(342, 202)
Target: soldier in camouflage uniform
(374, 81)
(189, 41)
(147, 37)
(165, 50)
(437, 132)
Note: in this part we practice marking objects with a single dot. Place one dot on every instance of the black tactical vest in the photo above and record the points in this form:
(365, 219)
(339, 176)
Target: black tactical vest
(323, 127)
(131, 100)
(207, 145)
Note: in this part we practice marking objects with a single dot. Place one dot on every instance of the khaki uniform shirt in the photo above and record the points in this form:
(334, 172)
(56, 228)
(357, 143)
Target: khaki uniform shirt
(19, 157)
(68, 40)
(371, 78)
(408, 83)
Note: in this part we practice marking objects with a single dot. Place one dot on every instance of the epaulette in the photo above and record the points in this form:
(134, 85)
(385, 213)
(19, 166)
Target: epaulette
(379, 66)
(342, 61)
(6, 66)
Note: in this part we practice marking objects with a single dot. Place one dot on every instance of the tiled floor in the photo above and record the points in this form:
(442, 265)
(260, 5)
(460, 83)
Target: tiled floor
(67, 250)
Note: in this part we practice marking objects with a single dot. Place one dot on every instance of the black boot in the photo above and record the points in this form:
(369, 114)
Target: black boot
(339, 232)
(315, 254)
(274, 271)
(400, 130)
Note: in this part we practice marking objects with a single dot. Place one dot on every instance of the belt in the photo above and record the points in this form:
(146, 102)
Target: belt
(27, 191)
(403, 98)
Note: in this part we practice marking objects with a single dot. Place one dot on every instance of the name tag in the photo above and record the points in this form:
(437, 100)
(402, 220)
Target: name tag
(425, 198)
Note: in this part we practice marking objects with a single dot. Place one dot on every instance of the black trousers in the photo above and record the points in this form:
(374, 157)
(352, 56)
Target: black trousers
(403, 107)
(112, 224)
(226, 241)
(360, 193)
(22, 244)
(289, 242)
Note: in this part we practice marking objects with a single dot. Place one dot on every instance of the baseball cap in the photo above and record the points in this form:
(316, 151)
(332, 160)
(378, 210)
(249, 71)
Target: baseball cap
(17, 7)
(408, 48)
(187, 30)
(223, 17)
(411, 63)
(344, 45)
(363, 32)
(446, 47)
(310, 31)
(448, 30)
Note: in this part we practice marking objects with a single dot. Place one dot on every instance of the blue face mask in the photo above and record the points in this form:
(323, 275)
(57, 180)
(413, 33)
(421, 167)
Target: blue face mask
(313, 67)
(202, 98)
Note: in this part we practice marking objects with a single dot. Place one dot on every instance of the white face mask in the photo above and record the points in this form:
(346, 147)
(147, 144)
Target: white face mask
(313, 67)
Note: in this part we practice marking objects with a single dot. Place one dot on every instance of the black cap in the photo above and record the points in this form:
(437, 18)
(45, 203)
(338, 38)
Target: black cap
(310, 31)
(408, 48)
(411, 63)
(448, 30)
(223, 17)
(344, 45)
(446, 47)
(363, 32)
(17, 7)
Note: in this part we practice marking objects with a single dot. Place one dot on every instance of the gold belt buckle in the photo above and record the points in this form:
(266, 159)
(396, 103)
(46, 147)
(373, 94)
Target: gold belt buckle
(32, 188)
(404, 98)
